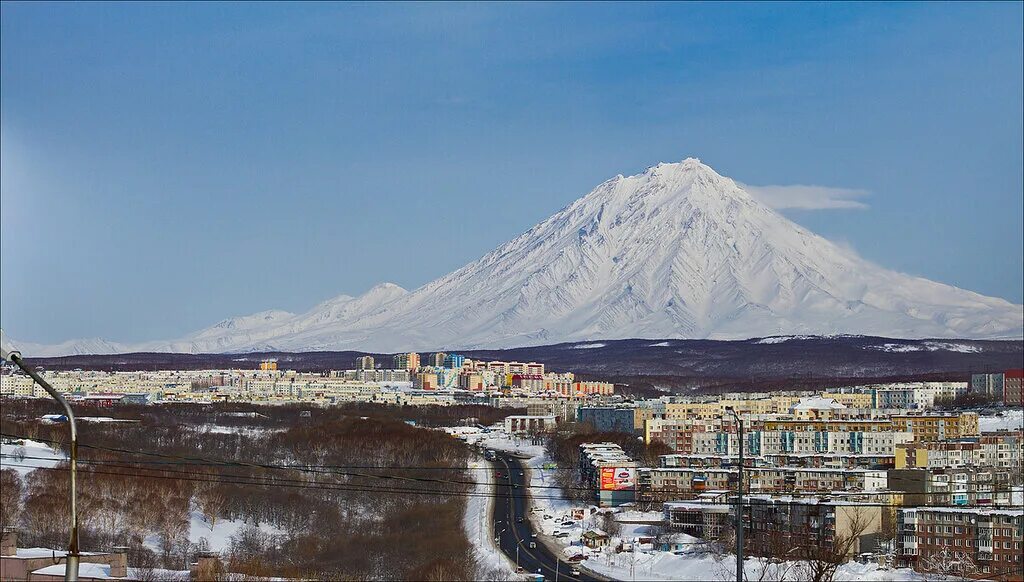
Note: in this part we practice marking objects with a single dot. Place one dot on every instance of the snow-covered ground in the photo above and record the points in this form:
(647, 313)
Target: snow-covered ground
(11, 453)
(246, 430)
(1009, 419)
(698, 565)
(218, 536)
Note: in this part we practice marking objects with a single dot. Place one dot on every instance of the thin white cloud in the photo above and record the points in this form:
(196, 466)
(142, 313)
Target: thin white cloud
(802, 197)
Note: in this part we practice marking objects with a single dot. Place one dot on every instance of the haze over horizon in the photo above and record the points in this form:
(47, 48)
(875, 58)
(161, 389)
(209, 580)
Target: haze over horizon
(346, 146)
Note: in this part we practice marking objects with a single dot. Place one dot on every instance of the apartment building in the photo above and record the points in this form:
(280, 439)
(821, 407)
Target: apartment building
(806, 461)
(1012, 395)
(19, 385)
(916, 395)
(610, 472)
(409, 361)
(962, 486)
(611, 419)
(1002, 449)
(774, 525)
(528, 425)
(992, 385)
(977, 543)
(808, 524)
(693, 436)
(706, 518)
(937, 427)
(663, 484)
(851, 399)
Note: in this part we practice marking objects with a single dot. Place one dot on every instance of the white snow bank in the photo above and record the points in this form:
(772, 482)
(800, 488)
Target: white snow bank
(47, 457)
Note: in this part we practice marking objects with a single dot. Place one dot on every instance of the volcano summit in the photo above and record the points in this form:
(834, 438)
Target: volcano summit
(677, 251)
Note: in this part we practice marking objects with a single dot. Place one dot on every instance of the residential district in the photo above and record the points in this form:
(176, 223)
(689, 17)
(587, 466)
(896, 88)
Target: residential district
(912, 479)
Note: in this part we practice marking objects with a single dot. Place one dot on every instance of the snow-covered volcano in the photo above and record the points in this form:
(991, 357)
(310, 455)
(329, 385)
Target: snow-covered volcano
(675, 252)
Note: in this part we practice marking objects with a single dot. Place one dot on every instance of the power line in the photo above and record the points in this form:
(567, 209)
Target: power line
(322, 486)
(317, 469)
(324, 470)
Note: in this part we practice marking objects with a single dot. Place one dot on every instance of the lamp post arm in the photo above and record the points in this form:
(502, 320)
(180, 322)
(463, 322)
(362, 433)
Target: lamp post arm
(71, 567)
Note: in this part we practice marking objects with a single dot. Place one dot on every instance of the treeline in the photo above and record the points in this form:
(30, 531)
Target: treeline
(279, 416)
(341, 494)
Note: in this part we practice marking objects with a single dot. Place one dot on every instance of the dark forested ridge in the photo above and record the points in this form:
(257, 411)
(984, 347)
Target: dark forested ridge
(660, 362)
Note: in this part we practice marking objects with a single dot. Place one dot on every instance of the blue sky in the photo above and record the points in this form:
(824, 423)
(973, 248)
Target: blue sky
(166, 166)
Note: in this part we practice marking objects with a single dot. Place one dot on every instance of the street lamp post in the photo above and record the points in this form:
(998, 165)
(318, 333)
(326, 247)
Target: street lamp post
(739, 500)
(71, 565)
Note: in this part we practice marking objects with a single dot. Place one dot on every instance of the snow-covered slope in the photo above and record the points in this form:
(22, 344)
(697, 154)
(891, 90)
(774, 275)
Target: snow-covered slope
(675, 252)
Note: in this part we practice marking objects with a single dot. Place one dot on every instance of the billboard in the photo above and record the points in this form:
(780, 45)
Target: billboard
(618, 478)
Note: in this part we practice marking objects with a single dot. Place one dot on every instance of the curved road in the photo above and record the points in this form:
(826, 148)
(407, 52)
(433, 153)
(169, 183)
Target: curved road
(511, 503)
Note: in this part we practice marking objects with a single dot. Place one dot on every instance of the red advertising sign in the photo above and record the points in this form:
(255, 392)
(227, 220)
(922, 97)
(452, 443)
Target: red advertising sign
(618, 478)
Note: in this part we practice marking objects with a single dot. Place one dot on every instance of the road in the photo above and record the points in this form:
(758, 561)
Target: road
(511, 504)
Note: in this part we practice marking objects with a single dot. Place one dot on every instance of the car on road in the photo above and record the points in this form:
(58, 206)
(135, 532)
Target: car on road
(519, 519)
(533, 545)
(575, 571)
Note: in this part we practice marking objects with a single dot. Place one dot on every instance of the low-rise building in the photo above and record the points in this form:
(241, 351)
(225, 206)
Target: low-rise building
(528, 425)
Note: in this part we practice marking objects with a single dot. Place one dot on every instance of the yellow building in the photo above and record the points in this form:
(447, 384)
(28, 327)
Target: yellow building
(684, 410)
(850, 400)
(908, 457)
(937, 427)
(268, 365)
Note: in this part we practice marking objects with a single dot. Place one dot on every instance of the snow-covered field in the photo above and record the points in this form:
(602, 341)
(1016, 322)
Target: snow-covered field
(245, 430)
(217, 536)
(1010, 419)
(12, 453)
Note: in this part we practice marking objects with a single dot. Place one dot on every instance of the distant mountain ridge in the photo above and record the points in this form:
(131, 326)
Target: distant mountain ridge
(677, 251)
(782, 362)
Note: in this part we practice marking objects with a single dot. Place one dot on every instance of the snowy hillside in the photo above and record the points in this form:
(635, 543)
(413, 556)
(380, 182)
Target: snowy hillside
(675, 252)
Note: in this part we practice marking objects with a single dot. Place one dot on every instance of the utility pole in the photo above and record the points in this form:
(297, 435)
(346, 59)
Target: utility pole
(71, 563)
(739, 500)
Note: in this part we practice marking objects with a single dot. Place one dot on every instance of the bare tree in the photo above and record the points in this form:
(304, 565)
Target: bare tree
(818, 562)
(948, 563)
(211, 501)
(609, 524)
(10, 498)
